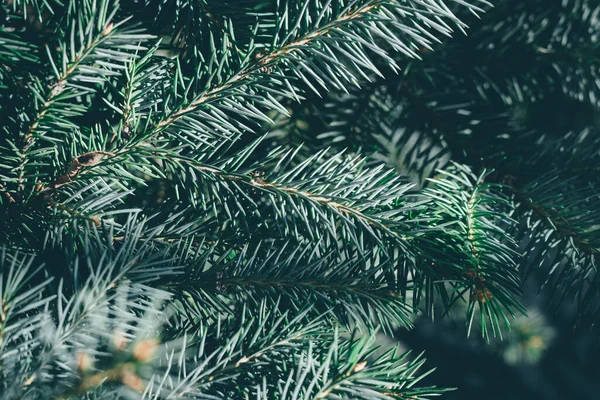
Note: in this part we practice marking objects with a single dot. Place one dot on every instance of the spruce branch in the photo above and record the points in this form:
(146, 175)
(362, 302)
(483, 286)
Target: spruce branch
(273, 71)
(75, 69)
(349, 369)
(154, 248)
(563, 217)
(341, 286)
(491, 270)
(337, 186)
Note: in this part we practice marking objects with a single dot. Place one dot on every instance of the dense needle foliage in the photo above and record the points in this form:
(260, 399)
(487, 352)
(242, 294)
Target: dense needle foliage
(237, 199)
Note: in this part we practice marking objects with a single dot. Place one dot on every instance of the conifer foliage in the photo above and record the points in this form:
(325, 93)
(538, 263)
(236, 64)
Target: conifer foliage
(212, 199)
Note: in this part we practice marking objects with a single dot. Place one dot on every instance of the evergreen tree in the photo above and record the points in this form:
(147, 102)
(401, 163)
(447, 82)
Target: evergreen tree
(239, 199)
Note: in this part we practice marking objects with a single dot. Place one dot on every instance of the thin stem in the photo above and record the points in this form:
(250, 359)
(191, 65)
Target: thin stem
(256, 67)
(53, 92)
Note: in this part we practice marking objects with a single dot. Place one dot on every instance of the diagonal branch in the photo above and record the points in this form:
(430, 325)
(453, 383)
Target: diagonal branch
(561, 225)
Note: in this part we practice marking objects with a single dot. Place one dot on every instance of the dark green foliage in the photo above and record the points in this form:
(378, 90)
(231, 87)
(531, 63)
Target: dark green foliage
(234, 199)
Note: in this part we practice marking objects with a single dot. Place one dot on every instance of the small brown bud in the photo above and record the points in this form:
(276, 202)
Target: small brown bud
(360, 366)
(470, 273)
(478, 295)
(90, 159)
(535, 342)
(144, 351)
(488, 294)
(29, 381)
(129, 378)
(482, 295)
(108, 29)
(119, 341)
(84, 362)
(56, 90)
(242, 361)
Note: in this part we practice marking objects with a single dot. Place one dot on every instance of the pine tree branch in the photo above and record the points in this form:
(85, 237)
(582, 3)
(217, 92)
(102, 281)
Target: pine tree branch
(561, 225)
(490, 272)
(351, 292)
(255, 73)
(53, 92)
(564, 220)
(85, 58)
(342, 205)
(349, 367)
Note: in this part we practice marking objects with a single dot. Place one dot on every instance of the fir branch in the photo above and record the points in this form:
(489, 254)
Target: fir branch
(343, 286)
(54, 118)
(278, 63)
(28, 140)
(350, 369)
(348, 200)
(561, 225)
(564, 218)
(185, 259)
(491, 269)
